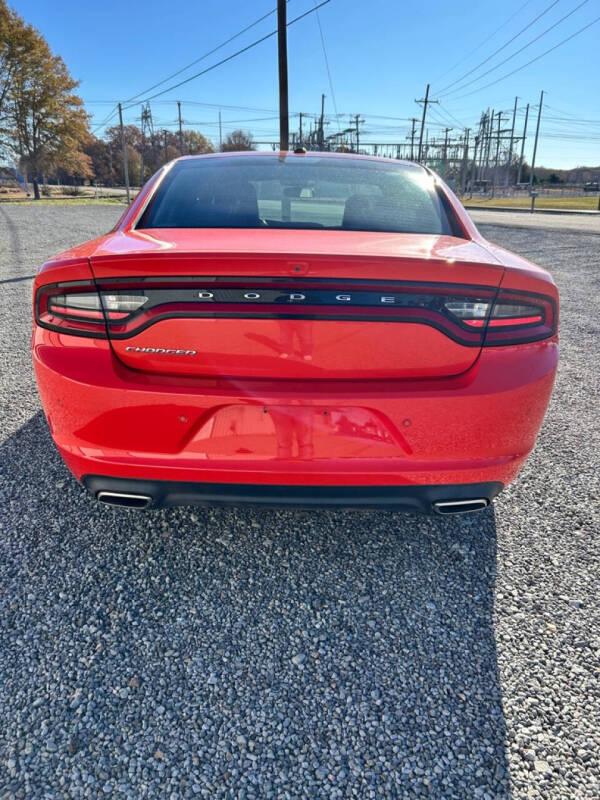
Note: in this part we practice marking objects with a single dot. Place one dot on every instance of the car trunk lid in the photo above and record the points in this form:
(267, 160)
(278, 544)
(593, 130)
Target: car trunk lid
(294, 304)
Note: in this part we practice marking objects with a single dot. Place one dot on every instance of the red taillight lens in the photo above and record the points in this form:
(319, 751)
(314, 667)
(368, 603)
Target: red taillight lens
(472, 316)
(520, 317)
(512, 318)
(78, 308)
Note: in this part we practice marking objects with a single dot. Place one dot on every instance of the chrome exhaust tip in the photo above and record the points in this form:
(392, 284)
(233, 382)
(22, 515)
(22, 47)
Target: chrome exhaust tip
(461, 506)
(124, 500)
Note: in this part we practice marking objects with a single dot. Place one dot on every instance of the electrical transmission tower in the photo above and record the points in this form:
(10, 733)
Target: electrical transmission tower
(147, 133)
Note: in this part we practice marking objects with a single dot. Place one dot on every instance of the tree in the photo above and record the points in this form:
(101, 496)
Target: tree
(195, 143)
(168, 147)
(150, 152)
(7, 59)
(525, 172)
(47, 122)
(101, 157)
(132, 134)
(114, 154)
(238, 140)
(16, 39)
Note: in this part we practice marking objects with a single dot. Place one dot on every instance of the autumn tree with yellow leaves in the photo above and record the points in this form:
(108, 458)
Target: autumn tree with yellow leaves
(43, 123)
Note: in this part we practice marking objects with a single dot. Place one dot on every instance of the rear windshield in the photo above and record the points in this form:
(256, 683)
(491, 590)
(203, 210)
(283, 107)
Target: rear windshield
(300, 192)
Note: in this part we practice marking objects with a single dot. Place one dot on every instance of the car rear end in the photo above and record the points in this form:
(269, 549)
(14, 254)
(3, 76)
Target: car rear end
(290, 348)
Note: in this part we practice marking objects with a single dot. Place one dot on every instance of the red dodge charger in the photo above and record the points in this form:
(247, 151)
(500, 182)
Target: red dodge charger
(294, 329)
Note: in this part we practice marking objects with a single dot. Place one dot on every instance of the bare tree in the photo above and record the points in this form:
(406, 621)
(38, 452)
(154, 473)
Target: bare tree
(238, 140)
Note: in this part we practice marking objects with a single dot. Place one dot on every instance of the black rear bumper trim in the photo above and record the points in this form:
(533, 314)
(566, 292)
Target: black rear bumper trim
(407, 498)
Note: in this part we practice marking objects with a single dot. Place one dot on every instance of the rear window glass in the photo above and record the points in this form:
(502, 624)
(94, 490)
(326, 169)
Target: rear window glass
(299, 192)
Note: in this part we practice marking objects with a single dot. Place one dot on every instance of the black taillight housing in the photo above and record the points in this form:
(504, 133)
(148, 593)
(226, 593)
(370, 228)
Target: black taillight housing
(520, 317)
(470, 315)
(510, 318)
(79, 308)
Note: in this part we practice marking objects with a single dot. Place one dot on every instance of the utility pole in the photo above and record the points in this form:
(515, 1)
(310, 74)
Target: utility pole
(220, 134)
(152, 138)
(488, 150)
(124, 148)
(523, 144)
(284, 121)
(426, 101)
(497, 148)
(510, 147)
(535, 144)
(412, 138)
(473, 170)
(180, 131)
(301, 115)
(465, 161)
(445, 151)
(478, 139)
(357, 121)
(166, 147)
(484, 124)
(322, 123)
(143, 148)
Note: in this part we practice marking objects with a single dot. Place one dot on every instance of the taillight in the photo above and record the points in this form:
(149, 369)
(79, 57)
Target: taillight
(519, 317)
(471, 312)
(78, 308)
(512, 318)
(471, 316)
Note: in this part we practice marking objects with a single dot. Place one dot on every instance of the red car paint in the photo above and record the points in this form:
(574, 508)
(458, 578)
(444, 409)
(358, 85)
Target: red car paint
(371, 401)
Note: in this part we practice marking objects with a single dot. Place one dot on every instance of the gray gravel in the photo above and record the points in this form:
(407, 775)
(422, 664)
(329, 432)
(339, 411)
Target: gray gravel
(248, 654)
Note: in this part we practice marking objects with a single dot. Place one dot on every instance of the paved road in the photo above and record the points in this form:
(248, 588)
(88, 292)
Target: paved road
(548, 222)
(223, 654)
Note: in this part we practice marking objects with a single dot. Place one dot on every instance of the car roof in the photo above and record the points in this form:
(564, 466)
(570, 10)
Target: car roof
(309, 154)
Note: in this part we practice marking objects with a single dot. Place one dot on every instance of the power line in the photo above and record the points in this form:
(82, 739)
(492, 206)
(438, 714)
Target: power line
(337, 116)
(564, 113)
(533, 60)
(232, 56)
(189, 122)
(272, 115)
(485, 60)
(485, 41)
(437, 116)
(105, 121)
(444, 110)
(520, 50)
(567, 117)
(205, 55)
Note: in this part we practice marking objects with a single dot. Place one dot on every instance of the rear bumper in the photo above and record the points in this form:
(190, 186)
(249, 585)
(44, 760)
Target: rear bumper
(142, 494)
(108, 420)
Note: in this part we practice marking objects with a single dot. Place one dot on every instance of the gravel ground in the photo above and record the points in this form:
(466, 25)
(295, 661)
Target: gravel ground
(248, 654)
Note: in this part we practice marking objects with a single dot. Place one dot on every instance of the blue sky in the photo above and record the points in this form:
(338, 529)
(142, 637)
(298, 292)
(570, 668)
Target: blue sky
(381, 54)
